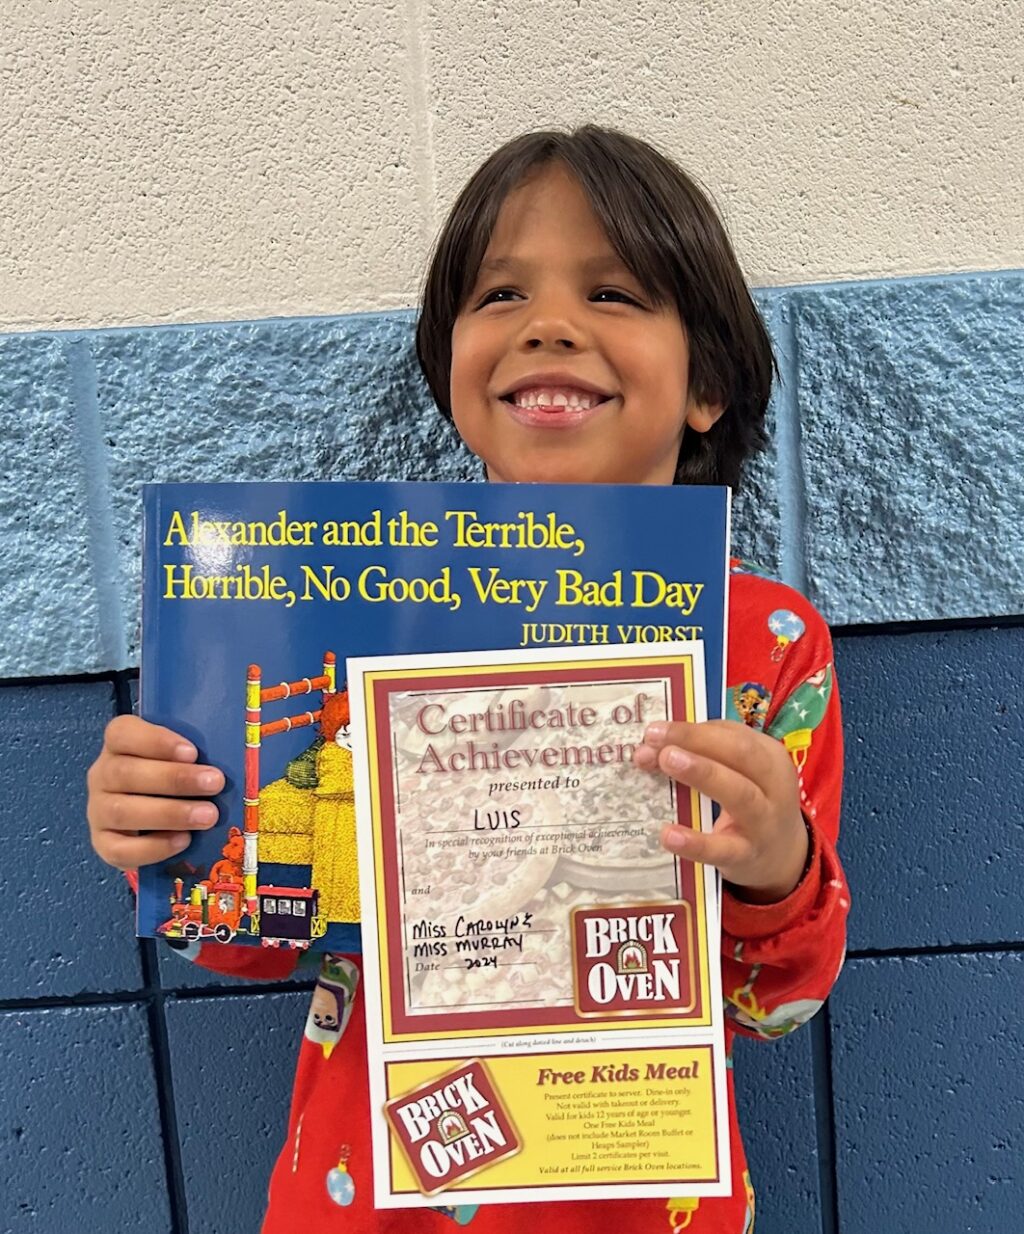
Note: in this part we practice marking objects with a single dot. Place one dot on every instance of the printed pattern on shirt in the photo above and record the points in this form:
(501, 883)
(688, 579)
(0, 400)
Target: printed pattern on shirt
(778, 965)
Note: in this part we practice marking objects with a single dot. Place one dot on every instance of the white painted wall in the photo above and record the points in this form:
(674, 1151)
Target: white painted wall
(168, 160)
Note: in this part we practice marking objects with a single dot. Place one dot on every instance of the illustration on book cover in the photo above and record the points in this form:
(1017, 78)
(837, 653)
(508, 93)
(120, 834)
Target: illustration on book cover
(305, 820)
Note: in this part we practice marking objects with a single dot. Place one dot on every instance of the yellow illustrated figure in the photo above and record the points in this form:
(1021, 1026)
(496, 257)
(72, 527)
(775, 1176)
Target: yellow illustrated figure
(335, 873)
(309, 815)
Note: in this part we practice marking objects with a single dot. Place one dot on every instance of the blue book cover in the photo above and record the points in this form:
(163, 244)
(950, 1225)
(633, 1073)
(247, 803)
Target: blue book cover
(254, 596)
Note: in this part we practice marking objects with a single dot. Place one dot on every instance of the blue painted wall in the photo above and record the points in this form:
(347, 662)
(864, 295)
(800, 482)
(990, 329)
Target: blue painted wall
(129, 1097)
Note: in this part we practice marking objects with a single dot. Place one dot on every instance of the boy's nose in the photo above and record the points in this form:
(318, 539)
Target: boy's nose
(566, 344)
(555, 330)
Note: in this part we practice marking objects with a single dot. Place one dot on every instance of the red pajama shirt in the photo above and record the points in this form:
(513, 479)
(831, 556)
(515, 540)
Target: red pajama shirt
(779, 962)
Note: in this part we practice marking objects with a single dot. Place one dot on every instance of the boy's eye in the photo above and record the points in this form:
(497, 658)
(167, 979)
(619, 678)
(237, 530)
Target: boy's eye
(499, 295)
(614, 295)
(603, 295)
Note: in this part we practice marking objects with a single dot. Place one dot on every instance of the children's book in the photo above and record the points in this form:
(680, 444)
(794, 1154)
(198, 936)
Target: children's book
(543, 1006)
(256, 595)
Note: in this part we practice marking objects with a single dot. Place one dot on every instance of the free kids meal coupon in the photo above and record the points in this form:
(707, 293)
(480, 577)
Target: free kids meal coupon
(544, 1012)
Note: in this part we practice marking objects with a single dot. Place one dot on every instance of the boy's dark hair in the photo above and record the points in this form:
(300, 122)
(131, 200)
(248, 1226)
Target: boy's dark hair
(667, 232)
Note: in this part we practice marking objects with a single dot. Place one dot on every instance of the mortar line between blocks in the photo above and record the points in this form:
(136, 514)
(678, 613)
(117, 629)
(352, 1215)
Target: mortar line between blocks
(99, 509)
(244, 315)
(163, 1079)
(422, 121)
(825, 1120)
(792, 490)
(156, 1021)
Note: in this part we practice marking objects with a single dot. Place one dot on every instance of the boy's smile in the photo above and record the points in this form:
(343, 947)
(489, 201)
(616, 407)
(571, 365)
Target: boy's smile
(554, 399)
(563, 369)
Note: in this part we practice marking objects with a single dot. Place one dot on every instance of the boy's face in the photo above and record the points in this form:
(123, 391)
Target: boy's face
(562, 369)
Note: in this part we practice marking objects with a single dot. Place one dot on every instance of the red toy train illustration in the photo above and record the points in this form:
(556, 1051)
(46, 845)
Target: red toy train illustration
(285, 916)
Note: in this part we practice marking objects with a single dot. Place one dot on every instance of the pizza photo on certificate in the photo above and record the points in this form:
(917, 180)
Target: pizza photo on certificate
(508, 800)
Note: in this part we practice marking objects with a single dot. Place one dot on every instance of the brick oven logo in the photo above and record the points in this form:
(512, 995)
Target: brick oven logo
(628, 961)
(452, 1126)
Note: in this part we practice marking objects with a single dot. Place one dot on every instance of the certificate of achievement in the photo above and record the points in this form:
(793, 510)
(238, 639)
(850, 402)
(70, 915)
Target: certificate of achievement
(544, 1012)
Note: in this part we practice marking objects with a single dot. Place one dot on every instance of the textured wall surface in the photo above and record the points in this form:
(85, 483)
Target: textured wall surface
(80, 1146)
(926, 1131)
(175, 162)
(902, 1098)
(911, 412)
(891, 490)
(935, 768)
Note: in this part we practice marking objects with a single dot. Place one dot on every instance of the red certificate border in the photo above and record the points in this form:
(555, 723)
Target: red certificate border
(389, 876)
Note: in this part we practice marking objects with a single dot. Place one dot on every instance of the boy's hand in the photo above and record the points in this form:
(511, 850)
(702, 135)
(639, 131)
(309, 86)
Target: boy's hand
(759, 841)
(146, 780)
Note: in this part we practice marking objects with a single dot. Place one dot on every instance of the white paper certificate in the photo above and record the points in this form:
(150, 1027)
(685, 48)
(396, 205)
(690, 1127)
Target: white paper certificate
(544, 1012)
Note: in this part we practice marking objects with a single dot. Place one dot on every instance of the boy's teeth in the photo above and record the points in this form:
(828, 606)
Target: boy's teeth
(580, 400)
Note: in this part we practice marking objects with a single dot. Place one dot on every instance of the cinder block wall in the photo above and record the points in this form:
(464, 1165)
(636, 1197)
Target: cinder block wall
(269, 181)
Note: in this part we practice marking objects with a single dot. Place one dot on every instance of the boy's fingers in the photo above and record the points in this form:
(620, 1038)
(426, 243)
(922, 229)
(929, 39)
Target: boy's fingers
(726, 850)
(725, 741)
(128, 852)
(132, 735)
(128, 812)
(734, 792)
(124, 773)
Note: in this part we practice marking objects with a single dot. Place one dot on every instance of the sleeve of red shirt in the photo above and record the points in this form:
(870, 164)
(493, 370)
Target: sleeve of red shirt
(779, 961)
(232, 960)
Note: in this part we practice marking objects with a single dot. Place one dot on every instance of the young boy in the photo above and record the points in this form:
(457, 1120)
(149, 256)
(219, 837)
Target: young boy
(584, 320)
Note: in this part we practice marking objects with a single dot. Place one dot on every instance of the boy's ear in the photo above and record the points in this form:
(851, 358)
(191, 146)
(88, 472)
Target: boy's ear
(701, 416)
